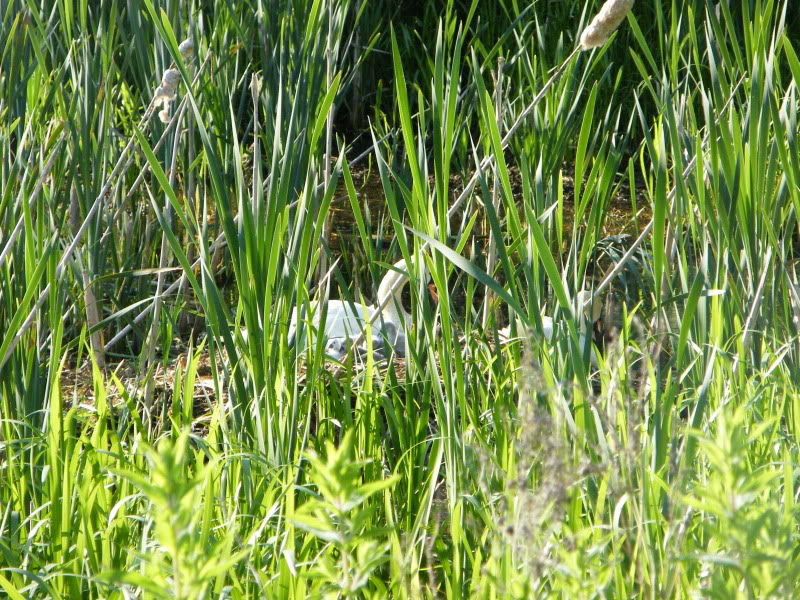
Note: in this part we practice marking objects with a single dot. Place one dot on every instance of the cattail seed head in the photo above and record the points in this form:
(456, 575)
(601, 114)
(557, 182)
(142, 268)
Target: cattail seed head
(169, 84)
(603, 25)
(165, 93)
(170, 80)
(186, 49)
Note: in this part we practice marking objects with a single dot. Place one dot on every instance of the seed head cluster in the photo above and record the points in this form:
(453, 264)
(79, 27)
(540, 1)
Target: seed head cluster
(603, 25)
(165, 93)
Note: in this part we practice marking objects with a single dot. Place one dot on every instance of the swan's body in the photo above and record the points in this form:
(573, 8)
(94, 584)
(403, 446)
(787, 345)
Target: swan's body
(345, 321)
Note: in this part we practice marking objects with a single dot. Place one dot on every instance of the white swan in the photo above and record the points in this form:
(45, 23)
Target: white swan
(345, 321)
(590, 311)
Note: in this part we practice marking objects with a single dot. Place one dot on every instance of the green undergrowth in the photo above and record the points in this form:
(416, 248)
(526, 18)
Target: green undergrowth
(160, 435)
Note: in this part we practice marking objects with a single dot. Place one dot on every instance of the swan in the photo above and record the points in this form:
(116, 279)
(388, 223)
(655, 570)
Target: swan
(345, 321)
(590, 311)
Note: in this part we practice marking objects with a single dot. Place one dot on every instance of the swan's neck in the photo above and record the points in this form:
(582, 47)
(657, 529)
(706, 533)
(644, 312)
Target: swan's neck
(391, 299)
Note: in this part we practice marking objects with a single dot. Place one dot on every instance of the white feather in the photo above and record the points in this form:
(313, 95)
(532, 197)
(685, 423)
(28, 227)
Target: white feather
(345, 321)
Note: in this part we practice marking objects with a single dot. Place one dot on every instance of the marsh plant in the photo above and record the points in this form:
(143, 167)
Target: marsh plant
(180, 178)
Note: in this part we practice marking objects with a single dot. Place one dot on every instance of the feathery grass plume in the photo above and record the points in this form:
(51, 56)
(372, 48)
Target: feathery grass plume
(165, 93)
(603, 25)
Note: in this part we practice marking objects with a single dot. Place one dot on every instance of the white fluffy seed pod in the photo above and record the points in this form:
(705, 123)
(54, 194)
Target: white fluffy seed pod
(162, 96)
(165, 93)
(186, 49)
(603, 25)
(170, 80)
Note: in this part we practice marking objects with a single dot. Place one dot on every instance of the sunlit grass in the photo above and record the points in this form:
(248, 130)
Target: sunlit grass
(150, 449)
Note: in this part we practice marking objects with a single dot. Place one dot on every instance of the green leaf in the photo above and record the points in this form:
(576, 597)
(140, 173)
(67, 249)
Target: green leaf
(9, 588)
(473, 271)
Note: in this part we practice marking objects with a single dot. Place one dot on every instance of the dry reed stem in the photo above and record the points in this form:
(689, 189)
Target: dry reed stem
(54, 154)
(89, 298)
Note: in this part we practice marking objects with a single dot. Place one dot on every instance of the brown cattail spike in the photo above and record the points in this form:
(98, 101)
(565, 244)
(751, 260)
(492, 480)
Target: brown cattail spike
(603, 25)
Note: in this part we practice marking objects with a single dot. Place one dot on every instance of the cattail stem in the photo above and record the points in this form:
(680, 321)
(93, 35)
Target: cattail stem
(162, 266)
(328, 221)
(491, 258)
(89, 298)
(191, 188)
(119, 169)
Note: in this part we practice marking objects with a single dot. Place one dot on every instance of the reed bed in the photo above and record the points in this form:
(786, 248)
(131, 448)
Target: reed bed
(171, 174)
